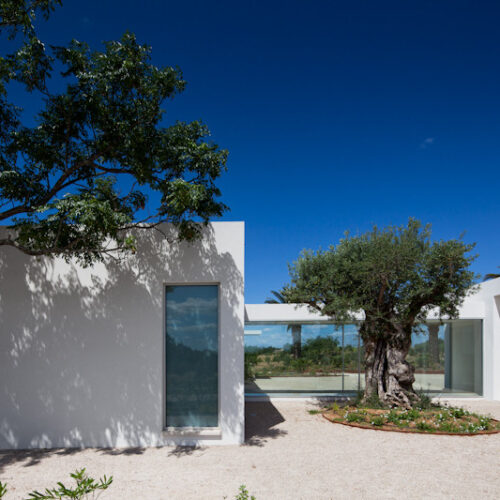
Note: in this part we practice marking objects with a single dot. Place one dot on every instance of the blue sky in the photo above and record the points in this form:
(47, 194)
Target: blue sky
(278, 335)
(336, 114)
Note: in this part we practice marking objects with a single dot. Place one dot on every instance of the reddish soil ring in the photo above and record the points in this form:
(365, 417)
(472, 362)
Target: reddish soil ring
(389, 428)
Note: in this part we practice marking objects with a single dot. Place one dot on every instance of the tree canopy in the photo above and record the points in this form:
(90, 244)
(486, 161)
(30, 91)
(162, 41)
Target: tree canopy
(395, 276)
(99, 160)
(491, 276)
(392, 272)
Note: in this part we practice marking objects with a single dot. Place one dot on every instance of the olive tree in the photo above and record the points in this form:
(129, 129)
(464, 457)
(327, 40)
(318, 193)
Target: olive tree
(394, 276)
(97, 160)
(491, 276)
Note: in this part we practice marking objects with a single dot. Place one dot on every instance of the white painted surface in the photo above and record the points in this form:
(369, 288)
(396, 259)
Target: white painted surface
(473, 307)
(489, 294)
(81, 350)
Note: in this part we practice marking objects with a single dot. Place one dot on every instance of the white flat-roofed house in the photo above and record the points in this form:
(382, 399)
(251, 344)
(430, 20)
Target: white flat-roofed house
(149, 350)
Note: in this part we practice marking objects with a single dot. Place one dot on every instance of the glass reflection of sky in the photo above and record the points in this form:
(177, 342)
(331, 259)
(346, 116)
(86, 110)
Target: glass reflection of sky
(191, 316)
(278, 335)
(421, 334)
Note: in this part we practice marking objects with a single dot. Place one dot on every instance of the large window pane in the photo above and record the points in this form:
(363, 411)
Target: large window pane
(300, 358)
(328, 358)
(463, 351)
(448, 358)
(352, 358)
(192, 396)
(428, 357)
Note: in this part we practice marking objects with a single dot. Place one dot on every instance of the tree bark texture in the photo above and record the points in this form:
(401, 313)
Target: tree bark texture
(433, 345)
(387, 373)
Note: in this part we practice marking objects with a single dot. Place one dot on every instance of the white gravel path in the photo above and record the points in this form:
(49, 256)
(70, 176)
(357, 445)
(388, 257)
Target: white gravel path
(289, 454)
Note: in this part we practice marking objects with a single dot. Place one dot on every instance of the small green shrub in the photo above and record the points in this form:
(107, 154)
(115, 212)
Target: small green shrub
(84, 486)
(484, 422)
(378, 421)
(393, 417)
(448, 426)
(425, 402)
(249, 369)
(335, 407)
(374, 402)
(425, 426)
(458, 412)
(314, 412)
(412, 414)
(468, 427)
(3, 489)
(243, 494)
(355, 416)
(443, 416)
(358, 399)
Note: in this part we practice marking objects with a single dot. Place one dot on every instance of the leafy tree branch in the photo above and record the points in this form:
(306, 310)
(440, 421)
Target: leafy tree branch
(99, 161)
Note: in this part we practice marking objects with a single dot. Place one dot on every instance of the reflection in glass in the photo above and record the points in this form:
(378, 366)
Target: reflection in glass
(446, 357)
(191, 314)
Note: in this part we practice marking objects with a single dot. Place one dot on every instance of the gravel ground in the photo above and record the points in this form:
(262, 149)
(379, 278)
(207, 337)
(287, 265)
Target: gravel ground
(289, 454)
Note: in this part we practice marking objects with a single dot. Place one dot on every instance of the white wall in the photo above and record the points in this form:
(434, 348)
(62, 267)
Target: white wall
(81, 350)
(489, 294)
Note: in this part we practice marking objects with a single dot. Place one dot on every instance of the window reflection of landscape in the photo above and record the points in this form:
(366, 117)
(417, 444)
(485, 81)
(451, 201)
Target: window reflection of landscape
(191, 315)
(328, 358)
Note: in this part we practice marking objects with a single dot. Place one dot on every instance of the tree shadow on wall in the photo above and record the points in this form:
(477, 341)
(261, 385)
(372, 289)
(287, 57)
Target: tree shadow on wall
(81, 351)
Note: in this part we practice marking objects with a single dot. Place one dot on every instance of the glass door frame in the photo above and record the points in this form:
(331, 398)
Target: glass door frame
(190, 431)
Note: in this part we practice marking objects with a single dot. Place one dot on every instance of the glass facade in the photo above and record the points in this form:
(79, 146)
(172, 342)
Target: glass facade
(191, 355)
(325, 358)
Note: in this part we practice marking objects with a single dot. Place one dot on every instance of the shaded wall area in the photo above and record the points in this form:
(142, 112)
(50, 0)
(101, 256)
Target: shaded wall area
(82, 350)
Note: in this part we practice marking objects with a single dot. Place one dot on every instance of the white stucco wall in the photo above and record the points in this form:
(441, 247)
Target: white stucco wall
(81, 350)
(489, 294)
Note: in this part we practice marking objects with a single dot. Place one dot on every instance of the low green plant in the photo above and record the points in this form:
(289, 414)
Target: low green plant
(84, 486)
(443, 415)
(373, 402)
(484, 422)
(250, 362)
(393, 417)
(314, 412)
(410, 415)
(358, 399)
(448, 426)
(458, 412)
(378, 421)
(425, 402)
(355, 416)
(437, 418)
(335, 407)
(469, 427)
(3, 489)
(425, 426)
(243, 494)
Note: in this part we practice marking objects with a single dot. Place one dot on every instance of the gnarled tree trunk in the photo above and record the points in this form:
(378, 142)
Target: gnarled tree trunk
(433, 344)
(387, 373)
